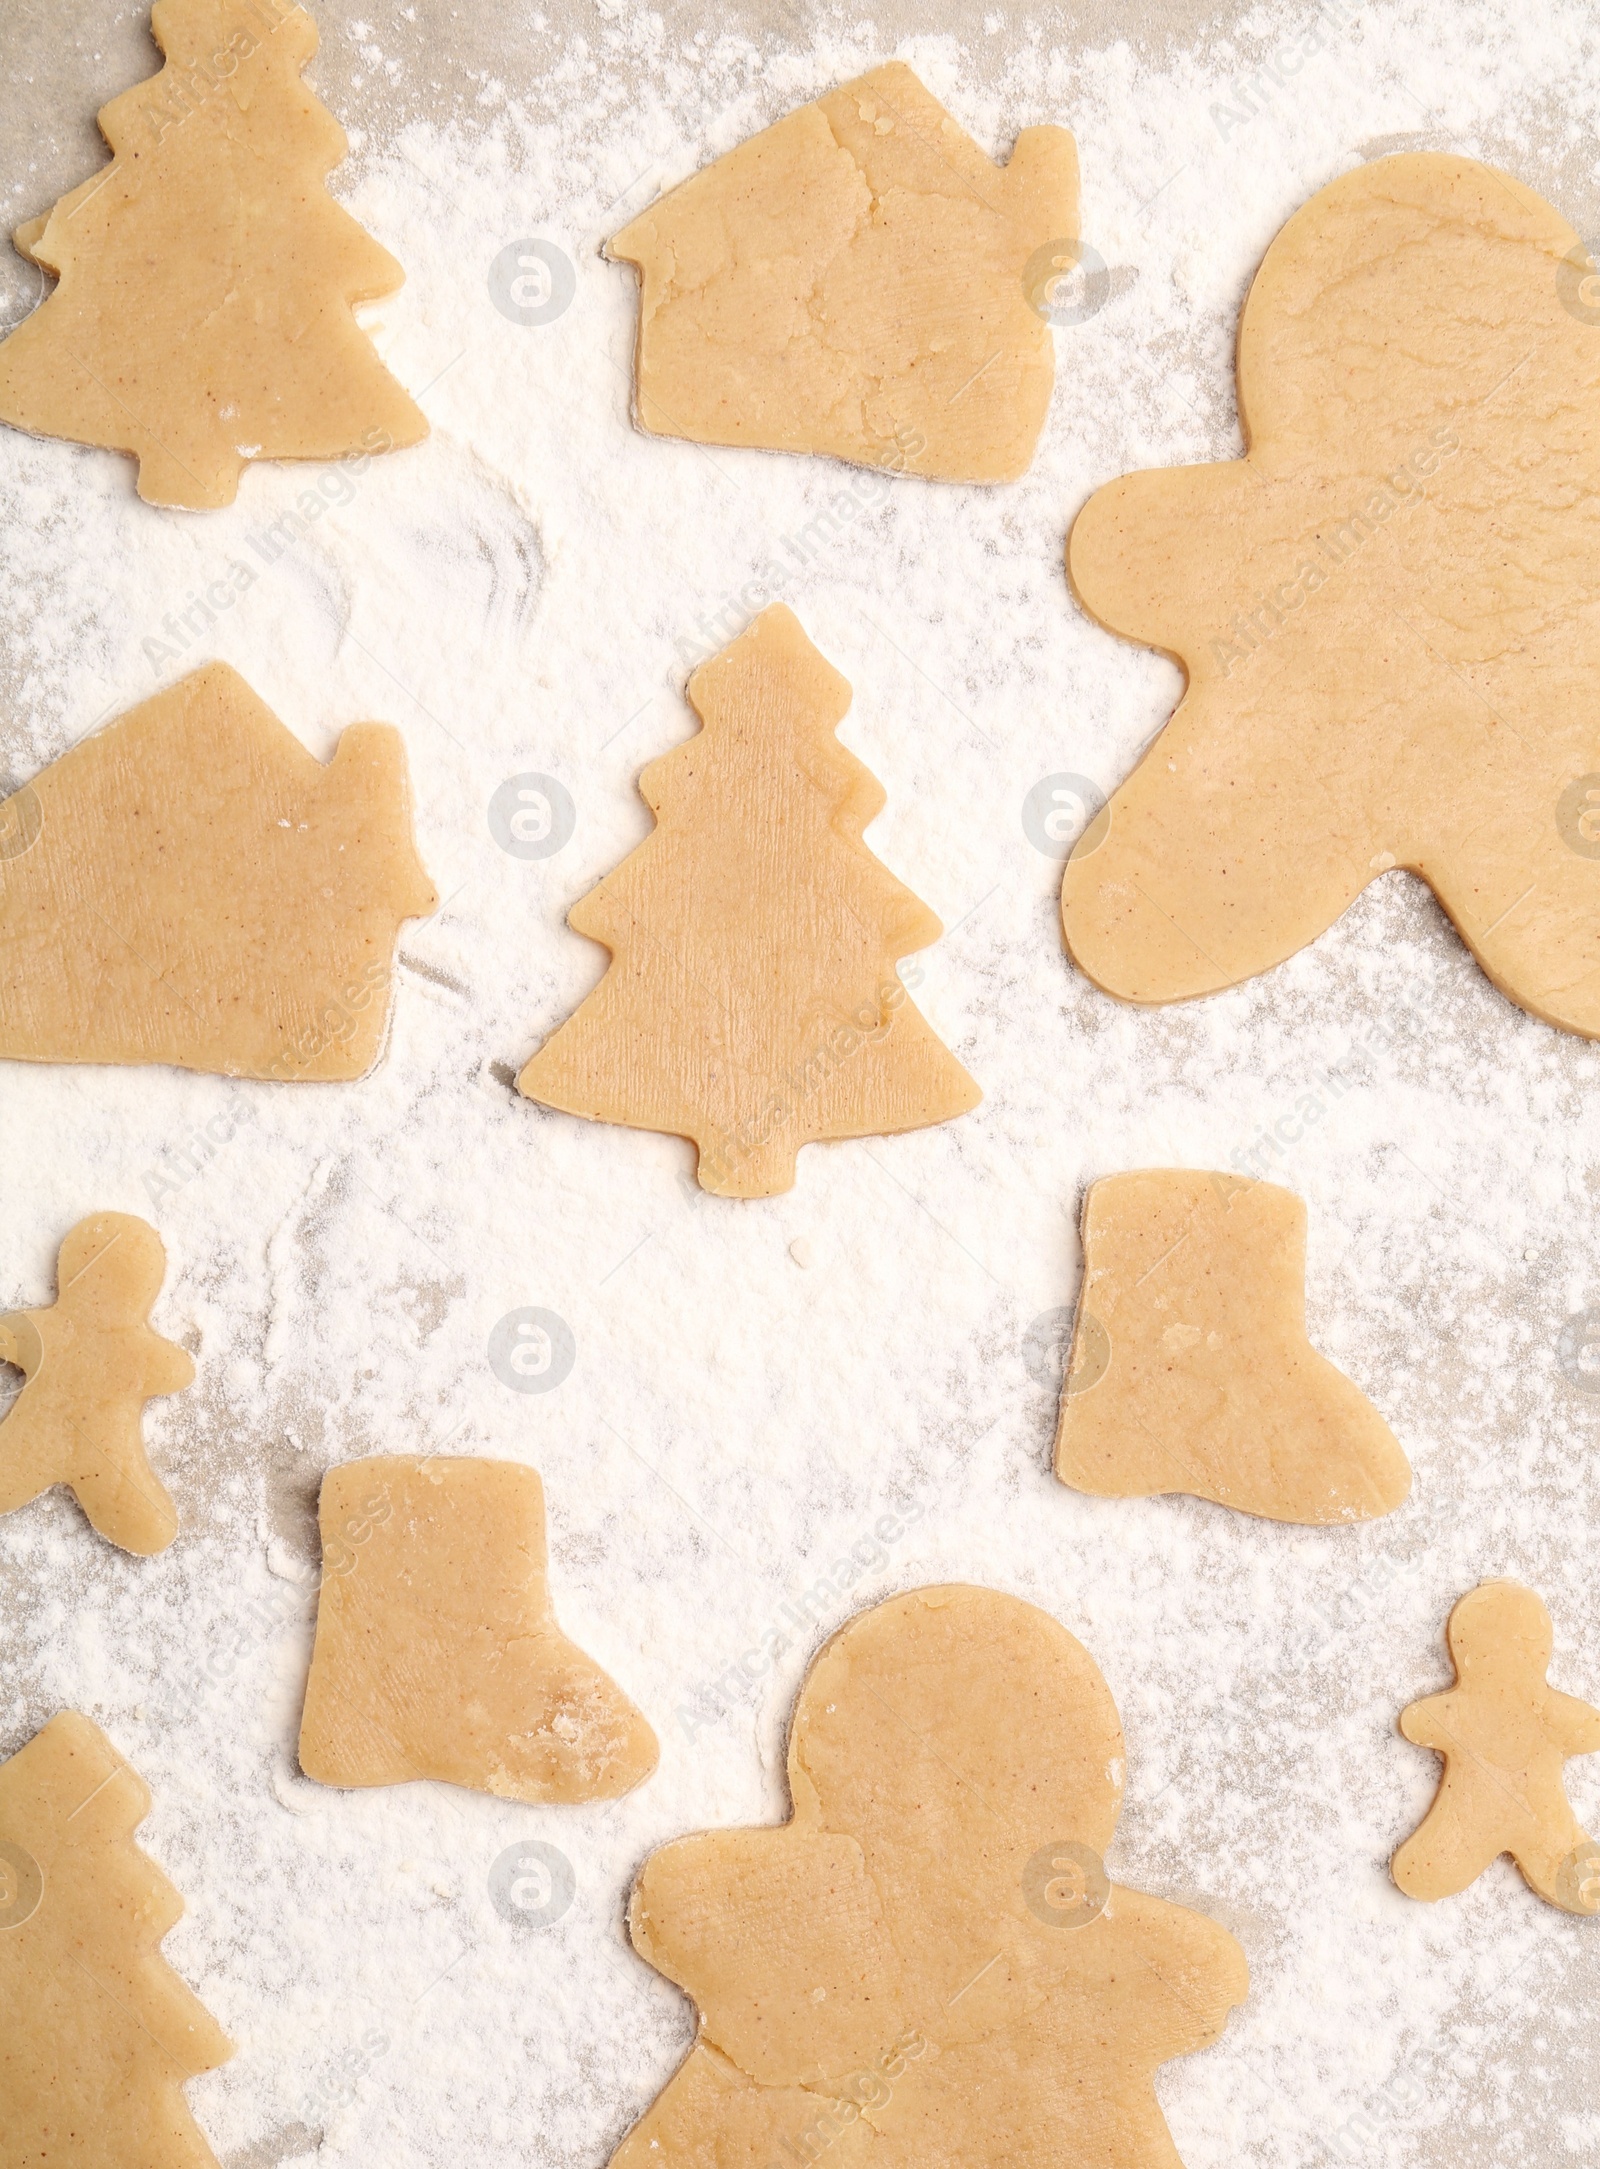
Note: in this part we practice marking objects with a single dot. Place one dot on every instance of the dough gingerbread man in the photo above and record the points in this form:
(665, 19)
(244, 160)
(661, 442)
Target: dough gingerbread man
(92, 1362)
(1504, 1733)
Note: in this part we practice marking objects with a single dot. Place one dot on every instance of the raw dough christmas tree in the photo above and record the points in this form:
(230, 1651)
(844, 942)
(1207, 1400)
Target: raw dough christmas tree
(97, 2033)
(204, 315)
(752, 1003)
(1504, 1733)
(437, 1651)
(927, 1963)
(91, 1363)
(1385, 609)
(1190, 1368)
(197, 888)
(859, 279)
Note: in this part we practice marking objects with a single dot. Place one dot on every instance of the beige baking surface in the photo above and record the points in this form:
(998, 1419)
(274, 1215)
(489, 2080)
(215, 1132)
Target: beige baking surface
(92, 1362)
(856, 280)
(752, 1003)
(204, 316)
(100, 2034)
(1190, 1368)
(1386, 610)
(198, 889)
(926, 1963)
(437, 1651)
(1504, 1733)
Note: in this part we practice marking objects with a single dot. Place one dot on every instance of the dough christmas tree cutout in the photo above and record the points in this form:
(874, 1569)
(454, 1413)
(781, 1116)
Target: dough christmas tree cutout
(191, 886)
(752, 1002)
(91, 1362)
(1385, 610)
(437, 1652)
(859, 279)
(205, 311)
(1190, 1369)
(1504, 1733)
(930, 1949)
(100, 2034)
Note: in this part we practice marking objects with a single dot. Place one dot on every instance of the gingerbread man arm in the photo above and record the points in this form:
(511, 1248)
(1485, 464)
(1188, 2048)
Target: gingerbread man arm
(167, 1367)
(1573, 1725)
(1428, 1724)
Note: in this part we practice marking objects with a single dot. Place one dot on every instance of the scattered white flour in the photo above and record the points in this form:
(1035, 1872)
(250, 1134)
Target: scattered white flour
(524, 594)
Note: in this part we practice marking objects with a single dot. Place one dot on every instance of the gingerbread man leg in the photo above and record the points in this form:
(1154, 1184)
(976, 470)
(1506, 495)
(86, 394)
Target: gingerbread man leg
(1457, 1839)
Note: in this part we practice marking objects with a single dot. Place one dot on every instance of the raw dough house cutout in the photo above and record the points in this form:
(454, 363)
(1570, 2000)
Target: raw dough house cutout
(930, 1947)
(196, 888)
(437, 1652)
(1385, 610)
(856, 280)
(752, 1003)
(1504, 1733)
(1190, 1369)
(100, 2034)
(91, 1362)
(204, 315)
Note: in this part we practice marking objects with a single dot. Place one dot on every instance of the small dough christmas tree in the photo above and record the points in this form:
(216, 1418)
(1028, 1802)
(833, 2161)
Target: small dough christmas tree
(928, 1963)
(437, 1652)
(204, 315)
(752, 1003)
(1504, 1733)
(1190, 1367)
(99, 2034)
(91, 1363)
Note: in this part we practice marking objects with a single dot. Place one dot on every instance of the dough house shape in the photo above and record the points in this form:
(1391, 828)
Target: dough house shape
(1190, 1369)
(100, 2034)
(930, 1949)
(91, 1363)
(205, 311)
(1504, 1733)
(859, 279)
(191, 886)
(437, 1652)
(1385, 610)
(752, 1003)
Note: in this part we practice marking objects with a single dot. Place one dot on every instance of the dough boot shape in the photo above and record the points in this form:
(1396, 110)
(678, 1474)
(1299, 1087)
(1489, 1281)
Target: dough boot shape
(1385, 609)
(437, 1652)
(99, 2034)
(1504, 1733)
(204, 313)
(859, 279)
(192, 886)
(91, 1363)
(752, 1003)
(930, 1948)
(1190, 1368)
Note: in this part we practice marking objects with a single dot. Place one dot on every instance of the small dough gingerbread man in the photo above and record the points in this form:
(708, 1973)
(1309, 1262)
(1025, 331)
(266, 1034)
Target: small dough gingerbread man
(92, 1362)
(1504, 1733)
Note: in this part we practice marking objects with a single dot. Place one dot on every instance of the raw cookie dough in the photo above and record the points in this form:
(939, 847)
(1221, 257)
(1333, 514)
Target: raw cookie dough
(192, 886)
(99, 2034)
(1386, 610)
(1190, 1367)
(91, 1363)
(437, 1651)
(859, 279)
(752, 1003)
(204, 312)
(930, 1950)
(1504, 1733)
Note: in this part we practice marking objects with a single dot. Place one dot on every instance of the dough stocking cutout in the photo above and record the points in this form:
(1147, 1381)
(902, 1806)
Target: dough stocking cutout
(1190, 1368)
(1386, 610)
(859, 279)
(753, 1003)
(97, 2033)
(204, 312)
(91, 1362)
(437, 1651)
(927, 1966)
(1504, 1733)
